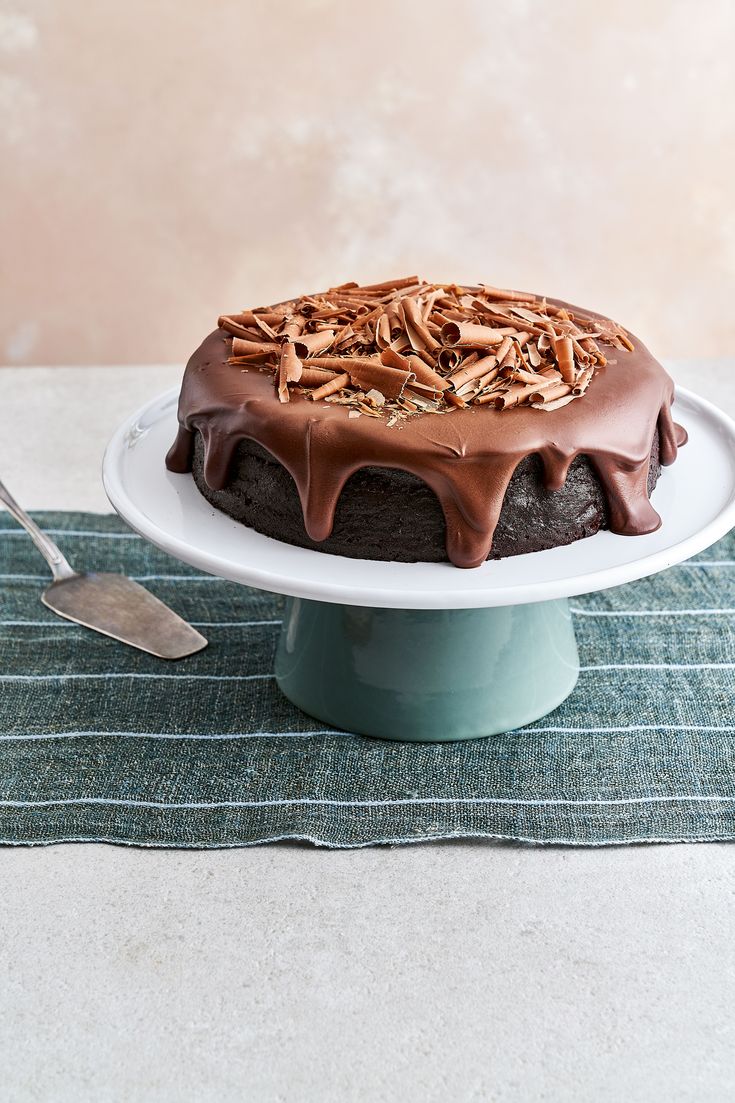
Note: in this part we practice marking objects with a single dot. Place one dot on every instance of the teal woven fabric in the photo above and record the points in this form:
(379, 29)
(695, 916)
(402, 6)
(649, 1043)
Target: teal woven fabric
(101, 742)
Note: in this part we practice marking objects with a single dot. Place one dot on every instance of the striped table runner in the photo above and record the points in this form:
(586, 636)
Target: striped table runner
(100, 742)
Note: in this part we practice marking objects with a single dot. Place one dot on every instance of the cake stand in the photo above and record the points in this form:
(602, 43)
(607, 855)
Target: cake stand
(424, 651)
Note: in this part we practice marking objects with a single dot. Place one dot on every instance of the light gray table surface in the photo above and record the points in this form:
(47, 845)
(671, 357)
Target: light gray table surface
(441, 971)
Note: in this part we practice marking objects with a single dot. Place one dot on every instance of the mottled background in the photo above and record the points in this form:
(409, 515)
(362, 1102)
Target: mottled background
(162, 161)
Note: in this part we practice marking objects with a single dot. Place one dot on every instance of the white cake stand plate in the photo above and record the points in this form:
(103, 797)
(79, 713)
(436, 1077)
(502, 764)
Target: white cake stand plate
(424, 651)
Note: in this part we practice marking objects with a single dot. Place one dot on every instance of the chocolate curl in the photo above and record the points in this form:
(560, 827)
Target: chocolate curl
(309, 304)
(326, 316)
(590, 346)
(264, 327)
(441, 317)
(289, 370)
(448, 359)
(316, 342)
(426, 403)
(355, 300)
(507, 320)
(525, 376)
(241, 347)
(333, 363)
(362, 320)
(582, 382)
(343, 336)
(369, 375)
(393, 359)
(474, 371)
(557, 311)
(401, 343)
(315, 377)
(468, 391)
(515, 394)
(529, 316)
(486, 379)
(426, 375)
(485, 399)
(382, 332)
(534, 356)
(510, 360)
(427, 358)
(367, 337)
(423, 388)
(294, 327)
(395, 319)
(564, 352)
(259, 360)
(416, 327)
(581, 355)
(549, 394)
(429, 305)
(455, 400)
(506, 347)
(330, 388)
(503, 295)
(465, 334)
(248, 318)
(391, 285)
(231, 326)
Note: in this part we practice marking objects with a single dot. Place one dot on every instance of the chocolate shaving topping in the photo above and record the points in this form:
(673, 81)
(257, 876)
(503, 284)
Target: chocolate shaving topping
(401, 347)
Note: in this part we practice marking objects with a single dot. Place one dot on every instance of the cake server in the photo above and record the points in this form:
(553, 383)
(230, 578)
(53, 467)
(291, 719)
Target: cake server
(109, 603)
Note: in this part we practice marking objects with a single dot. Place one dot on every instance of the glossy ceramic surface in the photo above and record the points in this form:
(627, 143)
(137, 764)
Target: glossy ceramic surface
(426, 675)
(169, 511)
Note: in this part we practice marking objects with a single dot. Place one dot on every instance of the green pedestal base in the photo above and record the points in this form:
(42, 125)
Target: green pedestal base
(427, 675)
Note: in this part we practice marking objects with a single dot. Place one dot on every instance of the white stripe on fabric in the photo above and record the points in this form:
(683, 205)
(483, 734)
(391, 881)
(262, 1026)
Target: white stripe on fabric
(135, 577)
(192, 737)
(117, 674)
(26, 577)
(174, 736)
(384, 840)
(62, 623)
(706, 563)
(235, 623)
(653, 612)
(660, 666)
(75, 532)
(629, 728)
(696, 798)
(177, 578)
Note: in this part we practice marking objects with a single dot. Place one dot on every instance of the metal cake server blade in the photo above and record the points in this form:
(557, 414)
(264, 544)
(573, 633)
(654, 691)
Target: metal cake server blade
(109, 603)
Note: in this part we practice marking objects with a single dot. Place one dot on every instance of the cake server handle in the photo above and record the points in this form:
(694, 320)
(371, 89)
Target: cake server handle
(60, 568)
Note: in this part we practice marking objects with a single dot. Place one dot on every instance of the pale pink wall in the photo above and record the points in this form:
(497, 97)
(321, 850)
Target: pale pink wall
(163, 161)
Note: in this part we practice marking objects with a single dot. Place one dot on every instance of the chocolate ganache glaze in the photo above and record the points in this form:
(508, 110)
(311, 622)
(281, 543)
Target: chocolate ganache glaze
(467, 456)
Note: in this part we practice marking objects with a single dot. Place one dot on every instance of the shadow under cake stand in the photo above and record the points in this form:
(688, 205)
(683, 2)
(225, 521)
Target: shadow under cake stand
(423, 651)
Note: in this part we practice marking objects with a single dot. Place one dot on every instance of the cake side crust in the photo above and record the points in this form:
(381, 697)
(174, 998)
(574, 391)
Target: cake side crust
(387, 514)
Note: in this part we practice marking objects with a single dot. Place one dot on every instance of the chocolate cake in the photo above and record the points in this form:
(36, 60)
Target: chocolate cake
(424, 422)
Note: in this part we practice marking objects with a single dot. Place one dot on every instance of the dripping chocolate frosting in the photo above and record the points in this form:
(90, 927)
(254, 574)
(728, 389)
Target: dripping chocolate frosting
(467, 457)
